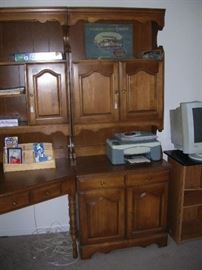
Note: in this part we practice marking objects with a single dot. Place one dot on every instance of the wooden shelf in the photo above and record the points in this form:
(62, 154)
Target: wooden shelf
(192, 229)
(193, 197)
(37, 14)
(12, 95)
(31, 62)
(8, 63)
(28, 128)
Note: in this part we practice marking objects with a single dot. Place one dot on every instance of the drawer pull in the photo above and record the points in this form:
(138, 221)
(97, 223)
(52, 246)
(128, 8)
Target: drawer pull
(14, 203)
(143, 194)
(116, 100)
(102, 183)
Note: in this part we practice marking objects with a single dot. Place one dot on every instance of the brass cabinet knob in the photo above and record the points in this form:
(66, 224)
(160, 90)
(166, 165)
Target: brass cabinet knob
(143, 194)
(102, 183)
(14, 203)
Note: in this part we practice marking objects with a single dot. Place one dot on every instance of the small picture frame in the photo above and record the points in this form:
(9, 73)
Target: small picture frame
(11, 142)
(14, 155)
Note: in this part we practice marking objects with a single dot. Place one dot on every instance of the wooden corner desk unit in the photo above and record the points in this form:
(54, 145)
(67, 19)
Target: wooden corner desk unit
(76, 103)
(21, 189)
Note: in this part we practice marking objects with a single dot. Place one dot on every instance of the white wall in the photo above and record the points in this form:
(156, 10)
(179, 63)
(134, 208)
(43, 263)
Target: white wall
(182, 42)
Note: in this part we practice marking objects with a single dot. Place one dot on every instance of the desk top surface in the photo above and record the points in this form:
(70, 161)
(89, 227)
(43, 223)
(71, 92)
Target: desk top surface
(18, 181)
(101, 164)
(182, 158)
(15, 181)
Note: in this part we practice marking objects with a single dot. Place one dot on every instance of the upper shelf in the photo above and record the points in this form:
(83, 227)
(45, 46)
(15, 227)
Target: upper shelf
(70, 16)
(31, 62)
(142, 15)
(34, 14)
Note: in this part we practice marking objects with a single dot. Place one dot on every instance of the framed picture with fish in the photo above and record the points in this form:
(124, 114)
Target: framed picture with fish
(108, 41)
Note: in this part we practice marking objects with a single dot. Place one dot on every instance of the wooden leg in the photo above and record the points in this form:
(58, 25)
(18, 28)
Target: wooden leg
(72, 223)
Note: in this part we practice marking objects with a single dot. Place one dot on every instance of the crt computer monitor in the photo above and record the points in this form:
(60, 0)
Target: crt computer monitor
(186, 128)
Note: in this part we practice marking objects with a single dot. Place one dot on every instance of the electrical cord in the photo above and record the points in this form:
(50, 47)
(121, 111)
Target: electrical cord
(53, 244)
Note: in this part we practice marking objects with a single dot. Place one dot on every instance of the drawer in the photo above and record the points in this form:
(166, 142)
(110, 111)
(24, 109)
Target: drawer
(147, 178)
(68, 186)
(100, 181)
(45, 193)
(13, 202)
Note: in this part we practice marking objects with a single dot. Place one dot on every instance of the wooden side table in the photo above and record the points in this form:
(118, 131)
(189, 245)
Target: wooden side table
(185, 197)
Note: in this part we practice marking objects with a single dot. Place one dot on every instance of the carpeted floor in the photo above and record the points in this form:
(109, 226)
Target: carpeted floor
(53, 251)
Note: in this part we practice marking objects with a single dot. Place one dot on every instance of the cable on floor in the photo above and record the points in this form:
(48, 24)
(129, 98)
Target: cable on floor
(54, 244)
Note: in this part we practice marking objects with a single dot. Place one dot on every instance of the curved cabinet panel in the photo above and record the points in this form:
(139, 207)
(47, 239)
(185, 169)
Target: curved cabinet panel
(142, 92)
(47, 93)
(94, 93)
(146, 209)
(101, 215)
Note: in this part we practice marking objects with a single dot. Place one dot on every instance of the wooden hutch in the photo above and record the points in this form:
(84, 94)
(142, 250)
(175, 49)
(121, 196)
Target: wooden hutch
(76, 103)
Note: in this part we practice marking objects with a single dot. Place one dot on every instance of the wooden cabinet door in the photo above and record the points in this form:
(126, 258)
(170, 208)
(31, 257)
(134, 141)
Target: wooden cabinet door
(141, 92)
(101, 215)
(95, 91)
(146, 207)
(47, 93)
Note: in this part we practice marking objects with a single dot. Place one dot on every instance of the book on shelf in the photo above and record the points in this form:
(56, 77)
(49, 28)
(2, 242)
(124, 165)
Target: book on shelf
(38, 56)
(9, 122)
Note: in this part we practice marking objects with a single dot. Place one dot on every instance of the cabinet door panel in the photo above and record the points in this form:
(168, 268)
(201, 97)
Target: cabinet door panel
(46, 84)
(137, 101)
(146, 209)
(95, 86)
(142, 91)
(47, 93)
(101, 215)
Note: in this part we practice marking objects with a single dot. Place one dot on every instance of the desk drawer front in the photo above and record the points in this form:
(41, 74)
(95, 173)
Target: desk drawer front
(45, 193)
(147, 178)
(68, 186)
(97, 182)
(13, 202)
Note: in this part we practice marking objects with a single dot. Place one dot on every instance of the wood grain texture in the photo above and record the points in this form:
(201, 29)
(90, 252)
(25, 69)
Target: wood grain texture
(133, 199)
(185, 203)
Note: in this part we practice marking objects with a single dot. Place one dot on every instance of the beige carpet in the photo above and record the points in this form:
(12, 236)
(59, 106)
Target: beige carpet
(48, 252)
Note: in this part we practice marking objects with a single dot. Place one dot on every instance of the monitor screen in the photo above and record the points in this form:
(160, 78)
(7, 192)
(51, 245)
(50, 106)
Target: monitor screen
(197, 119)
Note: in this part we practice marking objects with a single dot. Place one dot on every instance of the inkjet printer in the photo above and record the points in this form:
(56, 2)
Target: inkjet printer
(133, 147)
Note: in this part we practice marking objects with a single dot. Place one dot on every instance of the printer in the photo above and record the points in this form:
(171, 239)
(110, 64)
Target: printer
(126, 146)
